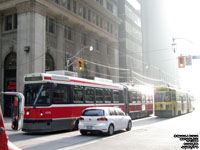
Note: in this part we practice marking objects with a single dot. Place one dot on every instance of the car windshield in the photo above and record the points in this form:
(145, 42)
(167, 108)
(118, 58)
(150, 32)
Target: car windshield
(162, 97)
(37, 94)
(93, 112)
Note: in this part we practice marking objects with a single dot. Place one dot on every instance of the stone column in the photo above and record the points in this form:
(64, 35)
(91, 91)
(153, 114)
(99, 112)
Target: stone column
(116, 61)
(31, 37)
(77, 28)
(60, 53)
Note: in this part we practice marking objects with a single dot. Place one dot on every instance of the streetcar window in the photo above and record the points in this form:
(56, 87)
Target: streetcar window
(116, 96)
(99, 95)
(89, 95)
(139, 97)
(60, 94)
(143, 98)
(132, 96)
(162, 97)
(167, 97)
(174, 96)
(78, 92)
(108, 96)
(37, 94)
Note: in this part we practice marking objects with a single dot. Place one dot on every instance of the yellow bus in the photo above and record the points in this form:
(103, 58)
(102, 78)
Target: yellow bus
(170, 102)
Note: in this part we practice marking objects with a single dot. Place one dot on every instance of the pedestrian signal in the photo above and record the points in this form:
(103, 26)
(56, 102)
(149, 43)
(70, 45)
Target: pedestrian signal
(81, 65)
(188, 60)
(181, 61)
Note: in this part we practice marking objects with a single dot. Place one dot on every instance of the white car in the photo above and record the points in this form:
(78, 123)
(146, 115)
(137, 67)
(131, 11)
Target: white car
(104, 119)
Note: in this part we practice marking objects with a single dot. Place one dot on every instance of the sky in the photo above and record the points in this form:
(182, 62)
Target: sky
(168, 19)
(183, 17)
(183, 20)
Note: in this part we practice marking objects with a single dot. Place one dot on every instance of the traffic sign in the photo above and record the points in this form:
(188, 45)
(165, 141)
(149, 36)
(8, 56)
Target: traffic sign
(196, 57)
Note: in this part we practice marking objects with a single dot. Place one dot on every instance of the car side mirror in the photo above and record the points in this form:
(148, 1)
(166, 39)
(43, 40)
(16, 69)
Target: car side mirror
(1, 130)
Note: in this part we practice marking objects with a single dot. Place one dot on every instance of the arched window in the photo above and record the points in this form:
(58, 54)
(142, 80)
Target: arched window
(10, 61)
(49, 62)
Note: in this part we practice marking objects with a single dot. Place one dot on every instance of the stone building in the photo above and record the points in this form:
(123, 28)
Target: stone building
(43, 35)
(130, 40)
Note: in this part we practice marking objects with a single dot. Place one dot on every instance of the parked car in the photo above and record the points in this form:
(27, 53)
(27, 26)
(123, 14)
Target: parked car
(5, 144)
(104, 119)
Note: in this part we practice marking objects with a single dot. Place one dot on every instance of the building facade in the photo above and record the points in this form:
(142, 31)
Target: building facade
(161, 63)
(130, 40)
(45, 35)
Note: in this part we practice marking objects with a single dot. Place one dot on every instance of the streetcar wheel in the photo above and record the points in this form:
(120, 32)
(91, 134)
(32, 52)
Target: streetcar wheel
(110, 130)
(129, 126)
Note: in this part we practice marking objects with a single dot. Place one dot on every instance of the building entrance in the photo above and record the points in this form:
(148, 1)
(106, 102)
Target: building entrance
(9, 82)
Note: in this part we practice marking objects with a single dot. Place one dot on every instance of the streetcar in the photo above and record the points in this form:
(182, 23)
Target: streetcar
(171, 102)
(55, 102)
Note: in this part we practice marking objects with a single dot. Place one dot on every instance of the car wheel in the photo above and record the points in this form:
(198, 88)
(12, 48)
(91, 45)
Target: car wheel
(83, 132)
(129, 126)
(110, 130)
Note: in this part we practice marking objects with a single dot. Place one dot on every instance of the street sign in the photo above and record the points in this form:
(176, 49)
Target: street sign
(196, 57)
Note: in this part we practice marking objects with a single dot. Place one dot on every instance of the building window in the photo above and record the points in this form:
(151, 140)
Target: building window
(97, 71)
(101, 2)
(10, 22)
(108, 73)
(69, 4)
(68, 33)
(97, 44)
(108, 27)
(83, 39)
(111, 28)
(74, 6)
(84, 12)
(108, 49)
(101, 22)
(57, 1)
(10, 61)
(80, 11)
(109, 6)
(49, 62)
(97, 20)
(50, 25)
(89, 15)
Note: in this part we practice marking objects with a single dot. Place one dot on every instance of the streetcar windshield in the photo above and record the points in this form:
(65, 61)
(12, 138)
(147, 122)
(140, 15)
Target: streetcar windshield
(162, 97)
(37, 94)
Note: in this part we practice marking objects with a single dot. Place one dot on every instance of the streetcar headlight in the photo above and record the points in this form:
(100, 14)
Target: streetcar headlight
(27, 113)
(41, 114)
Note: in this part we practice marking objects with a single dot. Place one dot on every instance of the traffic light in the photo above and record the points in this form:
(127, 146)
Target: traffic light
(81, 67)
(181, 61)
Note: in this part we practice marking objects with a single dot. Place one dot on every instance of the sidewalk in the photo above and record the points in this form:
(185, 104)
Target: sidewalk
(8, 121)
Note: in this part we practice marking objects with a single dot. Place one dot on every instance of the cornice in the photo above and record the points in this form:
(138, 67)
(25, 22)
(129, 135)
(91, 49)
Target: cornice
(31, 6)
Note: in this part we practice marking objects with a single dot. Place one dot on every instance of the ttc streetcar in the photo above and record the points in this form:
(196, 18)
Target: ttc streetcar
(55, 102)
(171, 102)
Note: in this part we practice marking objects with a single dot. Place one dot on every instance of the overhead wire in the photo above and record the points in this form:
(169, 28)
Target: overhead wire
(91, 39)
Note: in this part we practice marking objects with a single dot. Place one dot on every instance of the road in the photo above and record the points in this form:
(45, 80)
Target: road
(150, 133)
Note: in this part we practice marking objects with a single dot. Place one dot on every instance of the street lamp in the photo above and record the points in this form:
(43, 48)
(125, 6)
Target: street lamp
(75, 55)
(174, 45)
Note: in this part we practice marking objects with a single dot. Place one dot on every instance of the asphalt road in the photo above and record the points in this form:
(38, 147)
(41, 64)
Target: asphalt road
(150, 133)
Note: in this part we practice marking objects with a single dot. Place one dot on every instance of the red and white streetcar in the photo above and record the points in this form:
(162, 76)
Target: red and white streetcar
(55, 102)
